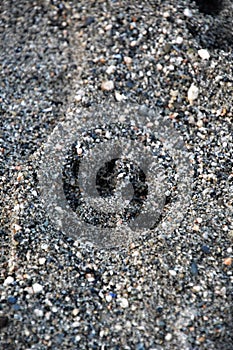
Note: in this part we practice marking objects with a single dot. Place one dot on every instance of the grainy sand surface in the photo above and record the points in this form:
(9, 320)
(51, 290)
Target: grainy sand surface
(159, 291)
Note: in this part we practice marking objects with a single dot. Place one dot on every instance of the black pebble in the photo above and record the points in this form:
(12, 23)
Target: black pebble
(3, 321)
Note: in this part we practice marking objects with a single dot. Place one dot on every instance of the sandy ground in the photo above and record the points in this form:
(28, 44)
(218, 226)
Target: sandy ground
(158, 289)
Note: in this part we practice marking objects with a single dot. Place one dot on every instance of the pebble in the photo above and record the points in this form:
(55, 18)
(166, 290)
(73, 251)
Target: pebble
(179, 40)
(193, 93)
(42, 261)
(205, 249)
(107, 85)
(227, 261)
(194, 269)
(9, 280)
(204, 54)
(196, 289)
(188, 12)
(124, 303)
(12, 300)
(17, 228)
(108, 298)
(119, 97)
(127, 60)
(110, 70)
(38, 313)
(3, 321)
(168, 337)
(37, 288)
(172, 272)
(45, 246)
(75, 312)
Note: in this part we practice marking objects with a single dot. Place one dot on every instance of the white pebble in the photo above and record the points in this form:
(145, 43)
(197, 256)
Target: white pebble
(172, 272)
(17, 227)
(196, 289)
(179, 40)
(187, 12)
(108, 27)
(107, 85)
(168, 337)
(133, 43)
(119, 97)
(193, 93)
(8, 280)
(42, 261)
(110, 70)
(124, 303)
(204, 54)
(75, 312)
(166, 14)
(127, 60)
(118, 327)
(37, 288)
(44, 246)
(38, 313)
(108, 298)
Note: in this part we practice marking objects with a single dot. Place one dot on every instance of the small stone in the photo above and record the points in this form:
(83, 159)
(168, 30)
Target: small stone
(188, 13)
(124, 303)
(227, 261)
(193, 93)
(108, 298)
(108, 27)
(133, 43)
(172, 272)
(3, 321)
(42, 261)
(168, 337)
(196, 289)
(205, 249)
(159, 66)
(107, 85)
(110, 70)
(37, 288)
(12, 300)
(20, 177)
(38, 313)
(75, 312)
(194, 269)
(8, 280)
(204, 54)
(166, 14)
(127, 60)
(119, 97)
(201, 339)
(90, 277)
(179, 40)
(44, 246)
(17, 228)
(118, 327)
(195, 227)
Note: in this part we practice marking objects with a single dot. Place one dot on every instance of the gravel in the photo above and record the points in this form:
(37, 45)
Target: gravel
(159, 292)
